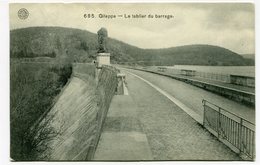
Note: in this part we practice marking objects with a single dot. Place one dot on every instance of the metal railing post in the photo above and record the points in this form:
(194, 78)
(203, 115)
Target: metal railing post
(219, 122)
(241, 136)
(204, 111)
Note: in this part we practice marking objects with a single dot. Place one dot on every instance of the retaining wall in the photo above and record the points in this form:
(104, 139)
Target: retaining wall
(77, 117)
(106, 88)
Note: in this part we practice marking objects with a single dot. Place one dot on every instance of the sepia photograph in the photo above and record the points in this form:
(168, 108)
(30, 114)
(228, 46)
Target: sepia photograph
(132, 82)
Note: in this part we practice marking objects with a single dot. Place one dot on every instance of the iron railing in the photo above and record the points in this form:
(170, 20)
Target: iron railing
(234, 131)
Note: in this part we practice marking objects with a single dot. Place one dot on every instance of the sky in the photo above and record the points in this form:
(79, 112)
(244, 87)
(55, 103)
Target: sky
(230, 25)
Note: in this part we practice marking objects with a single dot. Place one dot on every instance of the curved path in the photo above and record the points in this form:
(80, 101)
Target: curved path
(192, 96)
(165, 130)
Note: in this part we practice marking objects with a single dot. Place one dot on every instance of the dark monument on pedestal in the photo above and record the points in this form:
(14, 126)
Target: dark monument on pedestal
(102, 40)
(103, 57)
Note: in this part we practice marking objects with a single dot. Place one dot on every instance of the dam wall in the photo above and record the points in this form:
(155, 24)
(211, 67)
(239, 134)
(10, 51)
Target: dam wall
(77, 117)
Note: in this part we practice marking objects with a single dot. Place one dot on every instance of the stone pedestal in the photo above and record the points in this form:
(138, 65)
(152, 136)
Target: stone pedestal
(103, 59)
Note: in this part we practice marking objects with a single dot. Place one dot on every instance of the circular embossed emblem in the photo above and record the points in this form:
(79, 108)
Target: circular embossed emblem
(23, 13)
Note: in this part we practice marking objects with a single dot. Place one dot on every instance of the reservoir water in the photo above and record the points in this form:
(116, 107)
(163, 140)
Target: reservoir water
(234, 70)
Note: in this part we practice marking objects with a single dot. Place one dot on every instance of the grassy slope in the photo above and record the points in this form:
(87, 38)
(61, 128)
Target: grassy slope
(81, 45)
(33, 88)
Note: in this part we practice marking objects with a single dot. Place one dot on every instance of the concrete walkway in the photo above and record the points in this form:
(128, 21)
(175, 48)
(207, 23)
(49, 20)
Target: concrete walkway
(123, 137)
(146, 125)
(192, 96)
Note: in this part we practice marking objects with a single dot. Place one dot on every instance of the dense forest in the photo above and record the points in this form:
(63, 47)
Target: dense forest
(81, 46)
